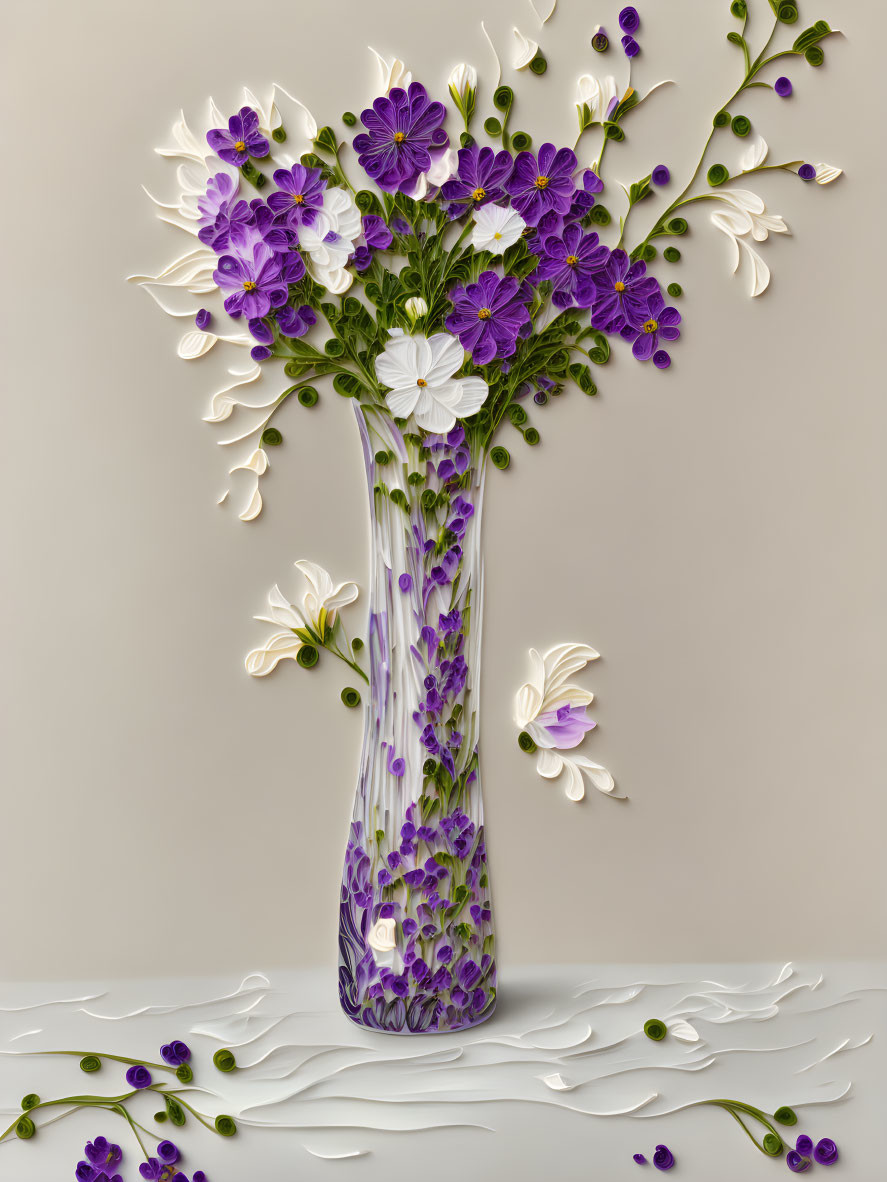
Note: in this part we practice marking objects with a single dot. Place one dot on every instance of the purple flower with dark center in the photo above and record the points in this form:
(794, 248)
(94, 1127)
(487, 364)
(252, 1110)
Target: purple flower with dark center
(631, 47)
(401, 130)
(570, 262)
(807, 172)
(660, 175)
(480, 176)
(826, 1152)
(175, 1053)
(663, 1158)
(797, 1162)
(488, 316)
(138, 1077)
(629, 20)
(660, 322)
(542, 183)
(804, 1145)
(783, 86)
(623, 293)
(220, 211)
(251, 280)
(203, 319)
(299, 195)
(241, 140)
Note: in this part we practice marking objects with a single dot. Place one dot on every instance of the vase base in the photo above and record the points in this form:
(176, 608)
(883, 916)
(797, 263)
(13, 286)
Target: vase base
(404, 1031)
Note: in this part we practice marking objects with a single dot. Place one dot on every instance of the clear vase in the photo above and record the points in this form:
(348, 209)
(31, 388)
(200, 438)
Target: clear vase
(416, 949)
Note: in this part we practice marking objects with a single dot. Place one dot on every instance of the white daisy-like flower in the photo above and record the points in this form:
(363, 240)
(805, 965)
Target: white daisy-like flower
(419, 373)
(496, 228)
(329, 241)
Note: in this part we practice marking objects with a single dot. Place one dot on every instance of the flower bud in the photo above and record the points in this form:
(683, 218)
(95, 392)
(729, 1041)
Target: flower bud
(415, 308)
(463, 88)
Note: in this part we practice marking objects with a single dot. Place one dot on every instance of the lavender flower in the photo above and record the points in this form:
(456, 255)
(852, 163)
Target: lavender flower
(295, 322)
(631, 47)
(241, 140)
(299, 195)
(219, 212)
(624, 290)
(203, 319)
(807, 172)
(660, 322)
(542, 183)
(375, 231)
(175, 1053)
(570, 262)
(101, 1157)
(804, 1145)
(251, 278)
(138, 1077)
(826, 1152)
(488, 316)
(401, 130)
(629, 20)
(480, 177)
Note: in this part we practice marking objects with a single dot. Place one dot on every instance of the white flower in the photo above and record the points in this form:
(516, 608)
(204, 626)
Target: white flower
(755, 154)
(382, 935)
(317, 615)
(744, 217)
(391, 72)
(826, 173)
(415, 308)
(553, 714)
(524, 50)
(419, 373)
(595, 99)
(496, 228)
(327, 260)
(462, 79)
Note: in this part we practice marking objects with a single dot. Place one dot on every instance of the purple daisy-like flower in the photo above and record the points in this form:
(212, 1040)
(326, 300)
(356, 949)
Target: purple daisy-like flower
(220, 211)
(241, 140)
(570, 263)
(488, 316)
(480, 177)
(299, 195)
(542, 183)
(251, 279)
(660, 322)
(401, 130)
(623, 292)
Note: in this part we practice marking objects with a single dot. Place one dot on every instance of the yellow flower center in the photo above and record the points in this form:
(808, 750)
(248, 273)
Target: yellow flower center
(541, 182)
(619, 286)
(399, 137)
(298, 199)
(651, 325)
(484, 314)
(421, 382)
(240, 146)
(497, 236)
(571, 260)
(249, 285)
(479, 194)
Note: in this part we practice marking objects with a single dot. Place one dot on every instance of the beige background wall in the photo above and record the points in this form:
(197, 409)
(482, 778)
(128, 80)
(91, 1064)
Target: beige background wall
(716, 532)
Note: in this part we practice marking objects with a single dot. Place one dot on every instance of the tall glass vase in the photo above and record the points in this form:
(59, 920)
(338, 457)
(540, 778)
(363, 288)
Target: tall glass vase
(415, 934)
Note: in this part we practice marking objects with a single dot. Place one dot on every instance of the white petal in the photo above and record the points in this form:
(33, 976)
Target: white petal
(446, 356)
(683, 1031)
(432, 415)
(282, 611)
(254, 507)
(527, 701)
(826, 173)
(755, 154)
(396, 365)
(473, 394)
(524, 50)
(195, 344)
(549, 764)
(575, 786)
(403, 402)
(279, 647)
(598, 774)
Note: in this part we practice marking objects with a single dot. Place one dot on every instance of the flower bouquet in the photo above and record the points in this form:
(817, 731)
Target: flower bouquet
(450, 293)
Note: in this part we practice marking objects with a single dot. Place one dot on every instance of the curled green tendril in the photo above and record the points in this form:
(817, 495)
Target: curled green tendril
(538, 65)
(600, 42)
(671, 254)
(429, 767)
(356, 644)
(30, 1101)
(350, 697)
(428, 499)
(740, 125)
(334, 347)
(90, 1063)
(600, 215)
(271, 437)
(382, 457)
(184, 1074)
(521, 141)
(739, 8)
(224, 1059)
(399, 497)
(517, 414)
(365, 200)
(308, 396)
(492, 126)
(531, 436)
(307, 657)
(415, 478)
(677, 227)
(278, 135)
(526, 742)
(349, 119)
(785, 1115)
(615, 132)
(25, 1128)
(717, 174)
(225, 1126)
(772, 1144)
(787, 13)
(814, 55)
(500, 457)
(503, 97)
(674, 290)
(655, 1029)
(347, 385)
(649, 252)
(721, 119)
(466, 140)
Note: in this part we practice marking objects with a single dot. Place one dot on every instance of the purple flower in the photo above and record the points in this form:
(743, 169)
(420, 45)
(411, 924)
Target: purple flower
(295, 322)
(804, 1145)
(663, 1158)
(138, 1077)
(591, 182)
(567, 725)
(660, 322)
(570, 262)
(405, 582)
(377, 234)
(219, 211)
(797, 1162)
(660, 175)
(252, 281)
(631, 47)
(401, 130)
(543, 183)
(783, 86)
(102, 1155)
(469, 973)
(807, 172)
(826, 1152)
(629, 20)
(153, 1169)
(488, 316)
(639, 1158)
(242, 139)
(299, 195)
(480, 176)
(175, 1053)
(203, 319)
(168, 1152)
(624, 290)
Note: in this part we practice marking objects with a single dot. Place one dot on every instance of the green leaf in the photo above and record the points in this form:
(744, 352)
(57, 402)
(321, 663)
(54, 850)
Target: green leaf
(639, 190)
(811, 36)
(326, 140)
(581, 375)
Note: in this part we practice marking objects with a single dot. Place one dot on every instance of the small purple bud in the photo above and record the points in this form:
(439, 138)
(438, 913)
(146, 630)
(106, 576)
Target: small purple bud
(660, 175)
(398, 767)
(168, 1153)
(629, 21)
(661, 359)
(807, 172)
(826, 1152)
(138, 1077)
(202, 319)
(405, 582)
(259, 352)
(783, 86)
(796, 1162)
(804, 1145)
(663, 1158)
(631, 47)
(639, 1158)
